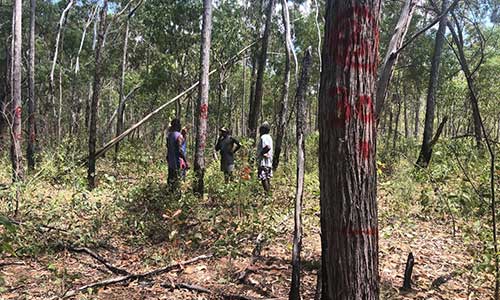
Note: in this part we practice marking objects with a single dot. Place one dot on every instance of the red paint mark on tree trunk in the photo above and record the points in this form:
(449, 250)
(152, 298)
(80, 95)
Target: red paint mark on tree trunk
(18, 112)
(364, 108)
(359, 232)
(204, 111)
(365, 149)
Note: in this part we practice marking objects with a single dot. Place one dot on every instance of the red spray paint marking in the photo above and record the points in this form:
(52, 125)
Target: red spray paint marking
(204, 111)
(342, 112)
(355, 52)
(19, 136)
(18, 111)
(364, 108)
(365, 150)
(373, 231)
(32, 137)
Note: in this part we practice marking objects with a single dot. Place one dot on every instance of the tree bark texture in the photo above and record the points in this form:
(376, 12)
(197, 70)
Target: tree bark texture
(349, 226)
(301, 129)
(426, 150)
(202, 120)
(255, 105)
(30, 151)
(94, 104)
(283, 105)
(16, 104)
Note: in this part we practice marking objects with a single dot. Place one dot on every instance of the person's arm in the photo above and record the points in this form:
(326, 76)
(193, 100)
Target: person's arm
(180, 140)
(218, 145)
(238, 145)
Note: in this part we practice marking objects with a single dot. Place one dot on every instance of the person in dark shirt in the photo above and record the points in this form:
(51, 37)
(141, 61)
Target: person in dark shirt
(175, 154)
(227, 146)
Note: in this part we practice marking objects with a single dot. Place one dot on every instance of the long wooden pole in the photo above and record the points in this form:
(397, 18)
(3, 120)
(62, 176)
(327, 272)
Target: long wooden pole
(117, 139)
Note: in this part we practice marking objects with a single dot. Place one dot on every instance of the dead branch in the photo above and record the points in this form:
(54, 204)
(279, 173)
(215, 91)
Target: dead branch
(200, 289)
(99, 258)
(131, 277)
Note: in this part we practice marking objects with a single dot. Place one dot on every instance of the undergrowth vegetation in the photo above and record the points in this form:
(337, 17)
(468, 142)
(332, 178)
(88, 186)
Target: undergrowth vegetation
(134, 206)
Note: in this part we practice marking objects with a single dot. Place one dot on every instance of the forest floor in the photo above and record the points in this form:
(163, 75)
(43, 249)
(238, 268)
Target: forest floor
(445, 262)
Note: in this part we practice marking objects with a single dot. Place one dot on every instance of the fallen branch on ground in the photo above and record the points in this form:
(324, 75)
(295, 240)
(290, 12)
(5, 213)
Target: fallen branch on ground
(131, 277)
(200, 289)
(100, 259)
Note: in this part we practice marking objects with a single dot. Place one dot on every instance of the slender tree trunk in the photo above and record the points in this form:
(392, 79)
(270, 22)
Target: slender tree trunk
(391, 56)
(255, 106)
(396, 121)
(202, 119)
(417, 115)
(426, 150)
(243, 92)
(60, 27)
(301, 128)
(405, 112)
(347, 147)
(16, 103)
(30, 151)
(470, 81)
(95, 96)
(283, 104)
(121, 105)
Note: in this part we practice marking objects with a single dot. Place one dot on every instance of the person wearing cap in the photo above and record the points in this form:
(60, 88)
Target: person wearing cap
(227, 146)
(265, 156)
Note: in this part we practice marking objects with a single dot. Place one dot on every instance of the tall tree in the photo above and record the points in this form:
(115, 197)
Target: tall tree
(347, 146)
(301, 129)
(426, 150)
(95, 96)
(283, 111)
(16, 103)
(121, 104)
(391, 56)
(201, 122)
(256, 102)
(30, 152)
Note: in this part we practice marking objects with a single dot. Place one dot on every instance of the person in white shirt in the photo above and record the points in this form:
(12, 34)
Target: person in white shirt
(265, 156)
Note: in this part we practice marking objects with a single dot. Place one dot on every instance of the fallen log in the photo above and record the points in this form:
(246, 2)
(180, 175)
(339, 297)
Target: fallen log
(100, 259)
(131, 277)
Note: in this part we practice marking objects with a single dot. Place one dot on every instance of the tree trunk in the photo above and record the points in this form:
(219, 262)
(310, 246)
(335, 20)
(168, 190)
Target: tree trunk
(283, 110)
(417, 115)
(256, 102)
(426, 150)
(391, 56)
(349, 226)
(301, 128)
(405, 112)
(202, 120)
(470, 81)
(396, 121)
(95, 96)
(30, 151)
(121, 105)
(60, 28)
(16, 103)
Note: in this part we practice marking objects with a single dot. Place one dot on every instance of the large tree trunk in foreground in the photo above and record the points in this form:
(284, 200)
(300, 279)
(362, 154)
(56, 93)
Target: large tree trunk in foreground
(283, 111)
(349, 226)
(256, 102)
(30, 151)
(202, 120)
(301, 129)
(391, 56)
(95, 97)
(16, 104)
(426, 150)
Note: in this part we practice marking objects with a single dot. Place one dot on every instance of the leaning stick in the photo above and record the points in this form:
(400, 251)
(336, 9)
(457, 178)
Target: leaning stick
(120, 137)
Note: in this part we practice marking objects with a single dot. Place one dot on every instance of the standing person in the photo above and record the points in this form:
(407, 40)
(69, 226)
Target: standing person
(265, 156)
(175, 153)
(227, 146)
